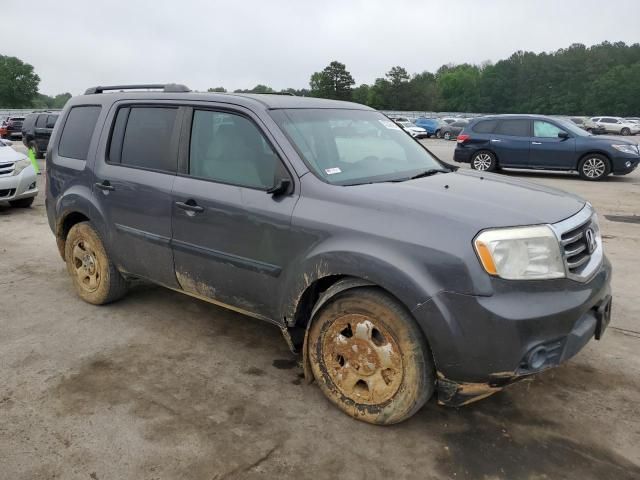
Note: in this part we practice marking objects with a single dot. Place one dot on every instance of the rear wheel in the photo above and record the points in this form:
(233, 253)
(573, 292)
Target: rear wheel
(447, 135)
(370, 358)
(625, 131)
(484, 161)
(594, 167)
(95, 277)
(22, 202)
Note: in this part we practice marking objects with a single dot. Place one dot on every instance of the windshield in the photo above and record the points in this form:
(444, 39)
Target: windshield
(573, 128)
(347, 147)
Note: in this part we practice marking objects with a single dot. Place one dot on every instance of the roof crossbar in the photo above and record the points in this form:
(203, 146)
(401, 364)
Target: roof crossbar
(168, 87)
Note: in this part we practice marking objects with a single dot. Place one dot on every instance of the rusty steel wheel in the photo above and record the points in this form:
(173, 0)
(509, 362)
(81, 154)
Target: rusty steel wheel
(96, 279)
(370, 358)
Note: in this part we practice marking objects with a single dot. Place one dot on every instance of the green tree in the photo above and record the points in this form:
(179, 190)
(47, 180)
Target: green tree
(18, 82)
(217, 89)
(257, 89)
(333, 82)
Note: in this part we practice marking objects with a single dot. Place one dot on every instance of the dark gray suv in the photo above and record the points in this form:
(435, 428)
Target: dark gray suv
(393, 274)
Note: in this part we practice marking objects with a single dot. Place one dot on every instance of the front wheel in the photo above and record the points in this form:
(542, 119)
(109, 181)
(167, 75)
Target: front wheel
(94, 275)
(625, 131)
(370, 358)
(447, 135)
(594, 167)
(484, 161)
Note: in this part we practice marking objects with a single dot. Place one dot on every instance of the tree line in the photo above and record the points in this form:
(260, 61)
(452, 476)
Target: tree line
(578, 80)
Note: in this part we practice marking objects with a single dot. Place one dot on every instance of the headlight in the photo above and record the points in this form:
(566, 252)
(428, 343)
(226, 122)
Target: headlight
(632, 149)
(522, 253)
(21, 165)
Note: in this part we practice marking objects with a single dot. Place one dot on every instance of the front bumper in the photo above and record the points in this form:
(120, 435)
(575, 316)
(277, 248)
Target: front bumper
(623, 164)
(19, 186)
(481, 344)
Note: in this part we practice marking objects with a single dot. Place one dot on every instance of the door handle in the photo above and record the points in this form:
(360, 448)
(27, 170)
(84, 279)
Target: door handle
(536, 143)
(496, 140)
(190, 206)
(105, 186)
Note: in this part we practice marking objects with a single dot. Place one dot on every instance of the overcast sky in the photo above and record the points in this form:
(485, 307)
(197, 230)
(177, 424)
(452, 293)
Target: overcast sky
(73, 44)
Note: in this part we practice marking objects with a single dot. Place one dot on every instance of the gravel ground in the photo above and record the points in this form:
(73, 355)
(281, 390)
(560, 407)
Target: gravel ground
(163, 386)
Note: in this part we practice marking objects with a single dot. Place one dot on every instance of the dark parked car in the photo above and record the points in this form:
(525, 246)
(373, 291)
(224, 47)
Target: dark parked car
(13, 127)
(325, 219)
(452, 130)
(538, 142)
(36, 131)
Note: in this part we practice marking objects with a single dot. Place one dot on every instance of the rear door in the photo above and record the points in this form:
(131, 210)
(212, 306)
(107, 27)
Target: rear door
(550, 151)
(610, 124)
(133, 185)
(511, 142)
(230, 236)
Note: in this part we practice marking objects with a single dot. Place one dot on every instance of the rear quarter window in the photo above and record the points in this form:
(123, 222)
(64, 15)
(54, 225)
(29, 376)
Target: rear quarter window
(77, 131)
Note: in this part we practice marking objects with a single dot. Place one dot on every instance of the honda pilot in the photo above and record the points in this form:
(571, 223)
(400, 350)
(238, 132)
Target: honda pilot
(394, 275)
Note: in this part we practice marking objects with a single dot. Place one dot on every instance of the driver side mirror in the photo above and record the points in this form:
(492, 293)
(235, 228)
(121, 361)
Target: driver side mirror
(563, 135)
(281, 187)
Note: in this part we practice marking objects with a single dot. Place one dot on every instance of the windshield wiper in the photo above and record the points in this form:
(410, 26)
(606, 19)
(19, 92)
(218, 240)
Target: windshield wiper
(428, 173)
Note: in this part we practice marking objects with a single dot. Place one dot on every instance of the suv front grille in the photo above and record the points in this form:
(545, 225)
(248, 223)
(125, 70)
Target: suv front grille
(581, 244)
(6, 169)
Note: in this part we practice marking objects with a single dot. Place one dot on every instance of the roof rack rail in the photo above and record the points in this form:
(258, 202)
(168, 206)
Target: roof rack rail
(168, 87)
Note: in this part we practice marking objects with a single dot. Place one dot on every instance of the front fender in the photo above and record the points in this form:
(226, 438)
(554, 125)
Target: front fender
(407, 280)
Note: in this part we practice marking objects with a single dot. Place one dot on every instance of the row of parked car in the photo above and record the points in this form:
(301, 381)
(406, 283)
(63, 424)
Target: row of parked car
(450, 127)
(34, 129)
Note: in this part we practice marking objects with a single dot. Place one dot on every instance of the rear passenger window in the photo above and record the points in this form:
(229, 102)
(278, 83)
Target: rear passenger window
(514, 128)
(229, 148)
(141, 138)
(77, 132)
(51, 121)
(485, 126)
(42, 121)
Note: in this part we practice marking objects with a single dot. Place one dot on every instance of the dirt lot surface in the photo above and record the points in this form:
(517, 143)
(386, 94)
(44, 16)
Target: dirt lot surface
(163, 386)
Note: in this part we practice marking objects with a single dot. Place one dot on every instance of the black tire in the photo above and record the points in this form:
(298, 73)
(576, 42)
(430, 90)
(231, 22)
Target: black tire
(625, 131)
(87, 259)
(428, 135)
(438, 134)
(484, 161)
(370, 358)
(594, 167)
(22, 202)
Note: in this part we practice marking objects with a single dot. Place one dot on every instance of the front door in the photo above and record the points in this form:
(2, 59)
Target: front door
(229, 235)
(549, 150)
(511, 142)
(134, 177)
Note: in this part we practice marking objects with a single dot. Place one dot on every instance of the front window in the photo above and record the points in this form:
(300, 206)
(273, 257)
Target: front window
(572, 128)
(346, 147)
(545, 129)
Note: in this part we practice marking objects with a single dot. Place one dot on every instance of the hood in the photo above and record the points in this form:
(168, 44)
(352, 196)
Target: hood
(478, 200)
(608, 140)
(8, 154)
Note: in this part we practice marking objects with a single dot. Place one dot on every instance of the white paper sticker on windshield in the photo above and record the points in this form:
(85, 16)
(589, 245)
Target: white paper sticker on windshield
(331, 171)
(389, 124)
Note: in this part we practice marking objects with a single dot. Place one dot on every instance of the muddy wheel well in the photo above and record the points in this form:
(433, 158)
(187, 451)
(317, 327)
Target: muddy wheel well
(64, 226)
